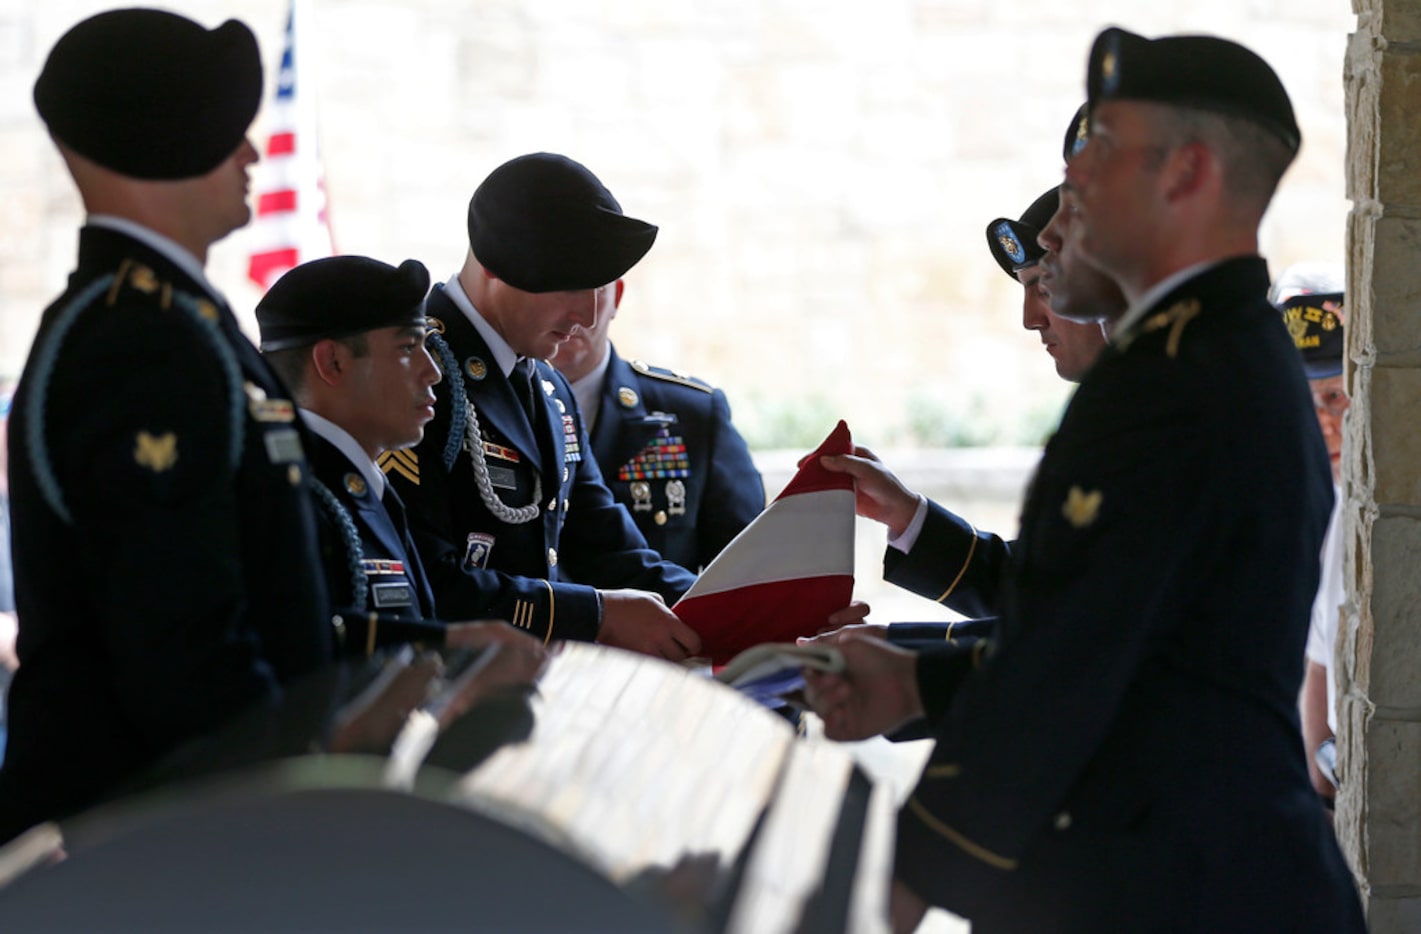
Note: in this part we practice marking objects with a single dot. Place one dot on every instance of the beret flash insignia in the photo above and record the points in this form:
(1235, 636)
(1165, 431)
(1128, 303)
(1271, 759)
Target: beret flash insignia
(1010, 244)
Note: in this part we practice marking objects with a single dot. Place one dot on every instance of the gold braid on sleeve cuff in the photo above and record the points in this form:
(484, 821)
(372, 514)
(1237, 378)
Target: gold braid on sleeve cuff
(974, 850)
(971, 550)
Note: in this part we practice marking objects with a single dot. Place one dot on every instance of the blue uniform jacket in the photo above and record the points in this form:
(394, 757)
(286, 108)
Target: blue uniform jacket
(540, 575)
(371, 564)
(165, 548)
(1127, 757)
(669, 453)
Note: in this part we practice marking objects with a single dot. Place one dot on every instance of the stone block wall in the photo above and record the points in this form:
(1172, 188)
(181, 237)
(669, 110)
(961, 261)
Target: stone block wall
(1379, 646)
(822, 172)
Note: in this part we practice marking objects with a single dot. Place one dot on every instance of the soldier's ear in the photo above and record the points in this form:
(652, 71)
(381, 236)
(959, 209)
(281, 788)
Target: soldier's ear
(326, 360)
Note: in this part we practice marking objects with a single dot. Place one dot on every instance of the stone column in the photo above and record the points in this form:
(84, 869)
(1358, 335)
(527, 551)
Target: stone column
(1379, 639)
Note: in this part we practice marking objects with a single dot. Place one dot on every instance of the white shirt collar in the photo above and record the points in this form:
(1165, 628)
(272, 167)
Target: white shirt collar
(588, 390)
(348, 446)
(1158, 291)
(156, 241)
(504, 355)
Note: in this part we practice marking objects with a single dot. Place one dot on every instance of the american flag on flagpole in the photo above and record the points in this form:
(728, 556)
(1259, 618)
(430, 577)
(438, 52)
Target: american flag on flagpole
(291, 225)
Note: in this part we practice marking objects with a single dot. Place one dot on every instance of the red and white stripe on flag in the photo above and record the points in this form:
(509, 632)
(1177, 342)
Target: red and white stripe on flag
(291, 225)
(787, 571)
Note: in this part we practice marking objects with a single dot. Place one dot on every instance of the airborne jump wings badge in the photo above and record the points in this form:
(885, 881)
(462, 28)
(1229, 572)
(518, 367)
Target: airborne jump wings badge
(1082, 508)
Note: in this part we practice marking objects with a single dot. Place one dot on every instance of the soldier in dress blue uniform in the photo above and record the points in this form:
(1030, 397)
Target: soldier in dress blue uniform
(346, 335)
(933, 552)
(1126, 756)
(164, 542)
(665, 445)
(166, 568)
(503, 489)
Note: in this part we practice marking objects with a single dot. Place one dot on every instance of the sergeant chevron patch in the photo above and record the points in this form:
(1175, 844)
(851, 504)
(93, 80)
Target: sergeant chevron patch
(404, 462)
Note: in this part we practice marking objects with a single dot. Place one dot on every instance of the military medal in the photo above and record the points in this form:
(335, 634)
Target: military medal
(641, 496)
(676, 498)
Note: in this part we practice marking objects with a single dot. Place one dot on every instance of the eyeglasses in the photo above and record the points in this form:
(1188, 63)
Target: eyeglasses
(1333, 401)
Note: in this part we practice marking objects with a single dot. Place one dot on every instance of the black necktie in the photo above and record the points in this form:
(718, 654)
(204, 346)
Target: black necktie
(523, 373)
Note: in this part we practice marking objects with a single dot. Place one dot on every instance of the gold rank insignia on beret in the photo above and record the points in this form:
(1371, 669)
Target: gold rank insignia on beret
(476, 368)
(404, 462)
(354, 484)
(157, 453)
(627, 397)
(1082, 508)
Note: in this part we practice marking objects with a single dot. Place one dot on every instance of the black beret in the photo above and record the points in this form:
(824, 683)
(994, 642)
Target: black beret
(338, 297)
(1197, 72)
(544, 223)
(1013, 243)
(151, 94)
(1316, 329)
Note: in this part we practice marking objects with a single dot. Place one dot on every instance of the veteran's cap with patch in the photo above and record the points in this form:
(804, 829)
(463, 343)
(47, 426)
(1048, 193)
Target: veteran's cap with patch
(1197, 72)
(338, 297)
(1013, 243)
(151, 94)
(1310, 296)
(544, 223)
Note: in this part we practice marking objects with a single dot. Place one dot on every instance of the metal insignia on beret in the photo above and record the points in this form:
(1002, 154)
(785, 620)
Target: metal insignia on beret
(158, 453)
(476, 368)
(1010, 244)
(1110, 67)
(354, 484)
(1081, 508)
(1082, 135)
(627, 397)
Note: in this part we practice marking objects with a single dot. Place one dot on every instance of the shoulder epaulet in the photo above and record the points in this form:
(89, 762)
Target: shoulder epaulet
(1176, 317)
(671, 376)
(106, 290)
(132, 276)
